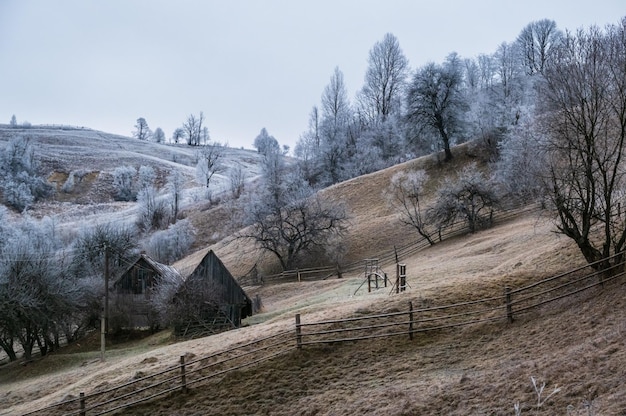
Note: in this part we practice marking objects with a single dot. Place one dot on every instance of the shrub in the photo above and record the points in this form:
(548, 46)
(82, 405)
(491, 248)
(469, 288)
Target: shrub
(123, 178)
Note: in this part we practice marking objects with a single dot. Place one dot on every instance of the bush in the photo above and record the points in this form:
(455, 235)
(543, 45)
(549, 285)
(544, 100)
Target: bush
(22, 185)
(169, 245)
(123, 181)
(153, 213)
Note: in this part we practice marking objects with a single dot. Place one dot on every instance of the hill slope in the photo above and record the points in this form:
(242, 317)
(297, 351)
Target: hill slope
(481, 369)
(578, 344)
(64, 150)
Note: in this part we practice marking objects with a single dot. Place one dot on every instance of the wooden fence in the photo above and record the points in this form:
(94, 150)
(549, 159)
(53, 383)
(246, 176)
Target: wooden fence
(507, 306)
(404, 251)
(176, 378)
(504, 307)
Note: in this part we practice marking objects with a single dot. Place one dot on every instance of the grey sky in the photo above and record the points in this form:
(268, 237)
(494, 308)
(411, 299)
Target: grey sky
(246, 64)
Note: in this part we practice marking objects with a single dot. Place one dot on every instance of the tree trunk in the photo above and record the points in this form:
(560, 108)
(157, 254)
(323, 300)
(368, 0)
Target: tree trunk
(7, 347)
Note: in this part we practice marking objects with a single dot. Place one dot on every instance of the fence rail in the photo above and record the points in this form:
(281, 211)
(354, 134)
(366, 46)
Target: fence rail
(506, 306)
(407, 250)
(511, 304)
(176, 378)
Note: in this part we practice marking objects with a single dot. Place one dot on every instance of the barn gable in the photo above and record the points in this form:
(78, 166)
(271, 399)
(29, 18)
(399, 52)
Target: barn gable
(143, 275)
(135, 288)
(213, 290)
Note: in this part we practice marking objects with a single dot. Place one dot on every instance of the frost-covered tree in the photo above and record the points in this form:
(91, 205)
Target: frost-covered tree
(39, 300)
(334, 148)
(123, 183)
(470, 198)
(146, 177)
(308, 146)
(153, 211)
(13, 122)
(178, 135)
(382, 94)
(436, 104)
(142, 131)
(265, 143)
(237, 180)
(508, 91)
(288, 219)
(537, 42)
(90, 244)
(175, 185)
(171, 244)
(521, 163)
(192, 129)
(158, 136)
(21, 185)
(210, 162)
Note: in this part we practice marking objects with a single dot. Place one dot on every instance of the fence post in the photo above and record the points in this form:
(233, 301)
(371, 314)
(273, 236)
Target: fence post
(82, 404)
(299, 277)
(298, 332)
(183, 376)
(509, 307)
(411, 320)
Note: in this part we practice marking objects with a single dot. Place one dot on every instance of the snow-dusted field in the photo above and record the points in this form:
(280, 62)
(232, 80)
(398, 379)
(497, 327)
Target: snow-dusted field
(62, 150)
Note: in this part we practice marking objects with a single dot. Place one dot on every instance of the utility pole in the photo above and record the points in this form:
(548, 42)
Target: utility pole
(104, 324)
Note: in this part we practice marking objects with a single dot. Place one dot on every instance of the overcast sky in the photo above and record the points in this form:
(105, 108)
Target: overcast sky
(246, 64)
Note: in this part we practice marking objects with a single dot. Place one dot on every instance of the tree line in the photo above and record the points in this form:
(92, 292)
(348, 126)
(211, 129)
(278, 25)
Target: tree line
(546, 113)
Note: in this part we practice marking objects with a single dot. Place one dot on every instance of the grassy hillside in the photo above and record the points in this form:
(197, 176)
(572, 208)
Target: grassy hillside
(577, 344)
(61, 151)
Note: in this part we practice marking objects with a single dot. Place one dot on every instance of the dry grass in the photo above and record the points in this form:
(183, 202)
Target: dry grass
(482, 369)
(577, 344)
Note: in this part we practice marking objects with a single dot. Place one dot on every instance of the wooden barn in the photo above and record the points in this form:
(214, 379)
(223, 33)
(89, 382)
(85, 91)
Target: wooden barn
(135, 289)
(210, 299)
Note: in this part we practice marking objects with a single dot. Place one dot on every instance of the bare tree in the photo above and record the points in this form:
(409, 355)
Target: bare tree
(295, 226)
(470, 198)
(405, 194)
(584, 116)
(537, 42)
(384, 79)
(287, 218)
(192, 129)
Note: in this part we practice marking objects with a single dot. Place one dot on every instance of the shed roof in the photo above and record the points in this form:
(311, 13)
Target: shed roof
(186, 266)
(167, 272)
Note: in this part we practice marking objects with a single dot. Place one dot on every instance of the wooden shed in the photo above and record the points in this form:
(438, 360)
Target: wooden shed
(214, 299)
(135, 289)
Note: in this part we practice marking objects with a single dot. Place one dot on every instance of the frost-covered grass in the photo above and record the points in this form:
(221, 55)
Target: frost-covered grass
(70, 153)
